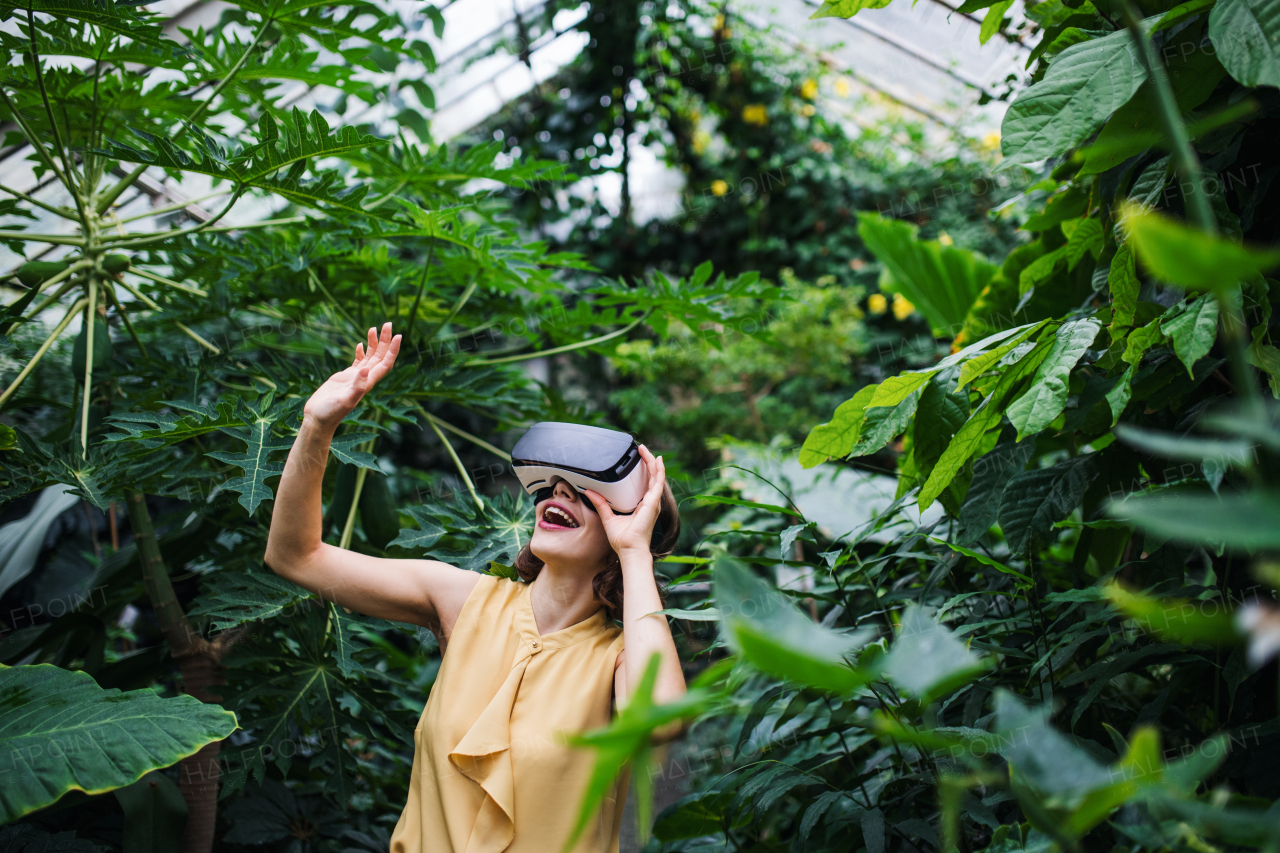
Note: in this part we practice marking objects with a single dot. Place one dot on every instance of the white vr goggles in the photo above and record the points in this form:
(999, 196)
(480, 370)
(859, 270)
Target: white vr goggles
(587, 457)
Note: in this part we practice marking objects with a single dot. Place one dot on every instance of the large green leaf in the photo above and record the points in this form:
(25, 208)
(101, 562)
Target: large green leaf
(1047, 396)
(60, 732)
(846, 8)
(763, 626)
(1246, 37)
(941, 281)
(1086, 83)
(1246, 520)
(1176, 619)
(1034, 500)
(1187, 256)
(968, 438)
(927, 660)
(991, 473)
(836, 438)
(1194, 331)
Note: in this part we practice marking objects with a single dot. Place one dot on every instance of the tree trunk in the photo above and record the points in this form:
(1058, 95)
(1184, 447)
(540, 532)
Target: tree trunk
(199, 661)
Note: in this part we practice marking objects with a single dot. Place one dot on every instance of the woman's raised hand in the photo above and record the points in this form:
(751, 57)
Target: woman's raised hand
(632, 532)
(342, 391)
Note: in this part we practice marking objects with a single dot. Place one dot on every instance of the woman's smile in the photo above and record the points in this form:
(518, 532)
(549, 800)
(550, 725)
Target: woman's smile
(556, 516)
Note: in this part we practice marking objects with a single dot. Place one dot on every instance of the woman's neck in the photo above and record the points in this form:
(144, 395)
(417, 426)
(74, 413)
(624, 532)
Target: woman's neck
(561, 598)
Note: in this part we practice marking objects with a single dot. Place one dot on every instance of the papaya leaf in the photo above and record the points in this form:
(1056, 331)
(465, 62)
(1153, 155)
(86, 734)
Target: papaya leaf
(232, 598)
(255, 460)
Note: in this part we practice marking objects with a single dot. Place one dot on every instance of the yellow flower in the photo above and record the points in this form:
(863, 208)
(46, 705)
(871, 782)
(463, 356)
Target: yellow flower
(842, 87)
(755, 114)
(991, 141)
(719, 23)
(877, 304)
(807, 110)
(902, 309)
(719, 187)
(808, 89)
(945, 239)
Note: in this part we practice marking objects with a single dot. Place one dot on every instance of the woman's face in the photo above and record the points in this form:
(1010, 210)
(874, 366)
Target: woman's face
(568, 532)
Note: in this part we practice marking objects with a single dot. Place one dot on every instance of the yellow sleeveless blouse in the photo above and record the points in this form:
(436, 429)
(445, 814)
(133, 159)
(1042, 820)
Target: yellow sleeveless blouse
(490, 772)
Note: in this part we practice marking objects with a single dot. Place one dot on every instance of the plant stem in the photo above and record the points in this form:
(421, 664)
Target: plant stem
(462, 471)
(180, 232)
(468, 436)
(124, 315)
(422, 287)
(89, 317)
(67, 163)
(185, 288)
(565, 348)
(51, 239)
(169, 208)
(64, 212)
(195, 337)
(35, 359)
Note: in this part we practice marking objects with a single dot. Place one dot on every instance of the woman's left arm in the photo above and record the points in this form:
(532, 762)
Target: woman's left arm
(645, 631)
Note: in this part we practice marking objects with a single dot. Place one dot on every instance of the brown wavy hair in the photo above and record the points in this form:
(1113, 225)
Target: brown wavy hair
(607, 584)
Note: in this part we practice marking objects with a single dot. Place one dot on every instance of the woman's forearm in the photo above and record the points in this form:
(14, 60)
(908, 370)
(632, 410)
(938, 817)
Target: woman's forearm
(296, 517)
(645, 634)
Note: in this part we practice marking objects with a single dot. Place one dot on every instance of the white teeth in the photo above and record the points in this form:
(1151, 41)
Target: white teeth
(568, 519)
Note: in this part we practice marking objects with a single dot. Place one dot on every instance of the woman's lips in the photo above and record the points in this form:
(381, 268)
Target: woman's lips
(546, 525)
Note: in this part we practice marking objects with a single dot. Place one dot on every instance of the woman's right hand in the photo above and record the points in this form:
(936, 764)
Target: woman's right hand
(342, 391)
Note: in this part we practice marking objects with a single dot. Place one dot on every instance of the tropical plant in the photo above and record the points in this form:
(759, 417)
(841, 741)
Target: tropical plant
(1104, 456)
(201, 335)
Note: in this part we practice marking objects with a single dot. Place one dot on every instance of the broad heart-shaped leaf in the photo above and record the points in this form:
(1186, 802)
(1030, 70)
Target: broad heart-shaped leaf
(1187, 256)
(255, 460)
(1246, 37)
(1245, 520)
(836, 438)
(60, 731)
(991, 473)
(1034, 500)
(1085, 84)
(942, 282)
(1047, 396)
(1175, 619)
(232, 598)
(759, 623)
(1194, 331)
(927, 660)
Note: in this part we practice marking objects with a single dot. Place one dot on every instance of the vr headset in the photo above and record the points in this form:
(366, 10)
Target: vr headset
(587, 457)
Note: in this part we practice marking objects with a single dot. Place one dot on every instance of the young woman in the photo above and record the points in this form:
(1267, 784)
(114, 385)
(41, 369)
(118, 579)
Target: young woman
(523, 663)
